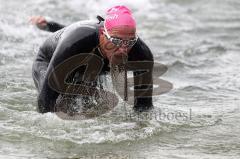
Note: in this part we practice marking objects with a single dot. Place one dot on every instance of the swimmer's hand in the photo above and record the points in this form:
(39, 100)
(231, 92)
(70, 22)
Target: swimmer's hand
(45, 23)
(39, 21)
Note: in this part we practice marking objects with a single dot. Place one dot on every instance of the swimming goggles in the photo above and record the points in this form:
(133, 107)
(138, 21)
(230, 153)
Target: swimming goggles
(118, 41)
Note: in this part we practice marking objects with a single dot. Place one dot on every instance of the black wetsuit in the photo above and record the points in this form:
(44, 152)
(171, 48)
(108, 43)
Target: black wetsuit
(72, 40)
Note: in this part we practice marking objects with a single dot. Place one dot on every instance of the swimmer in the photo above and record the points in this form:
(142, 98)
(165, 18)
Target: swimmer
(113, 40)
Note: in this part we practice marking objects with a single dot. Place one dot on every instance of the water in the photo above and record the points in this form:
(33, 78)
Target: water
(198, 40)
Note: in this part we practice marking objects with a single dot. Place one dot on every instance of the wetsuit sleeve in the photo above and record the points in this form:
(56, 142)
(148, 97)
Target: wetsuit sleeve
(53, 26)
(47, 95)
(70, 44)
(143, 80)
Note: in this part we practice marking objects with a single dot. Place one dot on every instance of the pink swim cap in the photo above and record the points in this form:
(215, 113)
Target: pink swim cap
(119, 16)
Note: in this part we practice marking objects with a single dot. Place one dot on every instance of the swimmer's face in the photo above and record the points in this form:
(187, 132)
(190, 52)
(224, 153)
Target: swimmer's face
(118, 43)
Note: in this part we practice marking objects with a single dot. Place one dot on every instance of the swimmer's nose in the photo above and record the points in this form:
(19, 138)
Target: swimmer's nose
(123, 50)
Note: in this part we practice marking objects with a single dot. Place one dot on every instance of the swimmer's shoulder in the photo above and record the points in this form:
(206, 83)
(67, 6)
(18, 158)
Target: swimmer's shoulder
(81, 31)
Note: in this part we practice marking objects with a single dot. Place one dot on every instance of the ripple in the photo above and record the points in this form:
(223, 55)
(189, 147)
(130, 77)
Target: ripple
(197, 40)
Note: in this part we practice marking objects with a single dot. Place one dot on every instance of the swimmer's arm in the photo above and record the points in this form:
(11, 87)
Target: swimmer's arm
(48, 95)
(45, 23)
(53, 26)
(143, 80)
(143, 92)
(51, 87)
